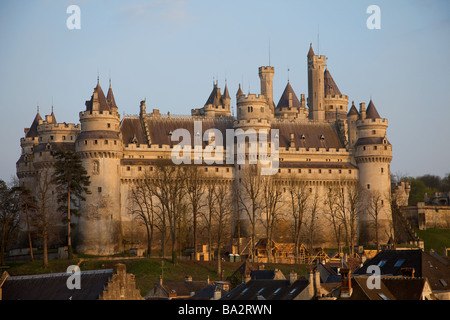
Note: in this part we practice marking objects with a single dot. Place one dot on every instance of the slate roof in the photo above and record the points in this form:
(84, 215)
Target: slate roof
(330, 86)
(32, 131)
(103, 104)
(110, 98)
(284, 99)
(424, 264)
(371, 112)
(53, 286)
(312, 133)
(267, 290)
(207, 293)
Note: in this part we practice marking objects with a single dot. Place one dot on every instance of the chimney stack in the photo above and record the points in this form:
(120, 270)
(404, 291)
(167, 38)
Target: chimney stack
(346, 283)
(407, 272)
(292, 277)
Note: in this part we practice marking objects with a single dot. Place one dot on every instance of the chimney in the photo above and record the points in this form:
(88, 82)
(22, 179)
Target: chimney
(292, 277)
(292, 144)
(217, 293)
(317, 282)
(261, 267)
(311, 289)
(302, 100)
(407, 272)
(188, 278)
(160, 280)
(362, 110)
(247, 278)
(346, 283)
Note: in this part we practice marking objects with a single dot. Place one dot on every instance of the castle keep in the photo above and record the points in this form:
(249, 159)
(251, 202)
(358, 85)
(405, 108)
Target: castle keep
(322, 142)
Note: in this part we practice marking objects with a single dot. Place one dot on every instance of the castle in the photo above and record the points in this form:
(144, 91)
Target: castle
(322, 142)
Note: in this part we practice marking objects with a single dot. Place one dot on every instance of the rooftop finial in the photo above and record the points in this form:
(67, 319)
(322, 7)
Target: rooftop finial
(288, 74)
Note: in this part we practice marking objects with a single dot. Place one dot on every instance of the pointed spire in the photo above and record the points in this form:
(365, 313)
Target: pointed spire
(289, 98)
(226, 94)
(32, 132)
(353, 110)
(98, 100)
(239, 92)
(311, 51)
(330, 87)
(372, 112)
(110, 97)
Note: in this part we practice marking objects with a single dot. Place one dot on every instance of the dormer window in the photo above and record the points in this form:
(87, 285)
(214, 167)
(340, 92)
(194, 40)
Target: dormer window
(302, 136)
(322, 137)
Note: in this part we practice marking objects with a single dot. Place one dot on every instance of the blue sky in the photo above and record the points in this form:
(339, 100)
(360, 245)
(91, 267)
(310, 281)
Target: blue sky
(170, 52)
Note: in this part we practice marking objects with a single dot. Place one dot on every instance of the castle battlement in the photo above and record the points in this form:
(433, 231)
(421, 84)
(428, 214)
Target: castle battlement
(98, 114)
(369, 121)
(252, 98)
(336, 97)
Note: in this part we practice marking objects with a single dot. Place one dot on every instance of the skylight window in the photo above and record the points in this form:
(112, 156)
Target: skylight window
(293, 290)
(243, 291)
(381, 263)
(443, 282)
(276, 291)
(382, 296)
(399, 262)
(260, 290)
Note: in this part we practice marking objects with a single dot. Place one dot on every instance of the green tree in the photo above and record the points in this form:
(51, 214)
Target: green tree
(9, 218)
(72, 183)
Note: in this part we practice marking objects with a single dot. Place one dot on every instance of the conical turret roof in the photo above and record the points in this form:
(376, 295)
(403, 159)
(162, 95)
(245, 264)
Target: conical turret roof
(239, 92)
(289, 94)
(353, 110)
(110, 97)
(32, 132)
(311, 51)
(372, 112)
(330, 86)
(101, 99)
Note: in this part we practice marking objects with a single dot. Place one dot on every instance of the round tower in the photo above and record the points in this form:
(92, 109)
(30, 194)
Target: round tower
(100, 147)
(373, 155)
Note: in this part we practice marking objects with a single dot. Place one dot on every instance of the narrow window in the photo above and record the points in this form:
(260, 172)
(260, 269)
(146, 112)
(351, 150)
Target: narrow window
(99, 189)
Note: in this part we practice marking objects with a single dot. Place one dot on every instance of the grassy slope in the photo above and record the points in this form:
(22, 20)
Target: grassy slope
(435, 239)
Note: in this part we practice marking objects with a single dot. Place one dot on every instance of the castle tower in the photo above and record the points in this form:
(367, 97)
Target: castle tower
(254, 116)
(334, 101)
(266, 78)
(316, 88)
(352, 117)
(100, 147)
(373, 155)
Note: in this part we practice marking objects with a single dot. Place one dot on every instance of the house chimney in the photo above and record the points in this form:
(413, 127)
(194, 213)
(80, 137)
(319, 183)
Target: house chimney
(188, 278)
(261, 267)
(160, 280)
(346, 283)
(247, 278)
(217, 293)
(317, 282)
(292, 277)
(311, 286)
(407, 272)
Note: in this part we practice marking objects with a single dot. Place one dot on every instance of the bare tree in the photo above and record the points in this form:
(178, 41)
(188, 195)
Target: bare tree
(249, 193)
(167, 184)
(354, 204)
(44, 217)
(332, 205)
(272, 195)
(375, 204)
(194, 180)
(311, 221)
(299, 196)
(223, 209)
(141, 198)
